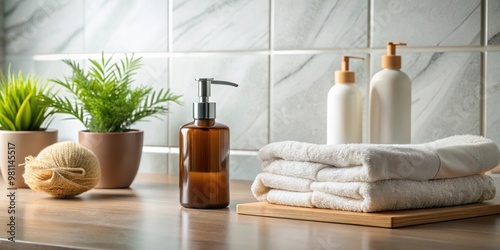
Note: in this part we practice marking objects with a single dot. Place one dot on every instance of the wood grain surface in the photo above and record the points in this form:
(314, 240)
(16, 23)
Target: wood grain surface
(389, 219)
(148, 216)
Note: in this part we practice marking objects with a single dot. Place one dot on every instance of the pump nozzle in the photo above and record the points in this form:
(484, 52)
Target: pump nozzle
(391, 60)
(205, 109)
(344, 75)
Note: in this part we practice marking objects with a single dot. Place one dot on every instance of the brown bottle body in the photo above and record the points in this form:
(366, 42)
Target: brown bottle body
(204, 164)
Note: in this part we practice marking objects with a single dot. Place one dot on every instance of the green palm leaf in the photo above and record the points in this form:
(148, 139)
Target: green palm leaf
(105, 100)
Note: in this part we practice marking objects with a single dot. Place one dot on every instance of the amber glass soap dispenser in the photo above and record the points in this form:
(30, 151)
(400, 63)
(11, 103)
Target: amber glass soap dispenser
(204, 154)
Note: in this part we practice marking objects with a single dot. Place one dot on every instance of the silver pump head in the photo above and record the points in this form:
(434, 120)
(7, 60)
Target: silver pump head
(205, 109)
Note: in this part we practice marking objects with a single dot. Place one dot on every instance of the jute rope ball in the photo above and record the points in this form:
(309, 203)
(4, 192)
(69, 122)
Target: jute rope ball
(63, 170)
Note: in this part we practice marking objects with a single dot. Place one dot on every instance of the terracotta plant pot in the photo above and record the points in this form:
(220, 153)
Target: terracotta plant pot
(22, 144)
(118, 153)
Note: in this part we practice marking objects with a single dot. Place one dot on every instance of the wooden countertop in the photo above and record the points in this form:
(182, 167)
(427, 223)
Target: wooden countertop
(148, 216)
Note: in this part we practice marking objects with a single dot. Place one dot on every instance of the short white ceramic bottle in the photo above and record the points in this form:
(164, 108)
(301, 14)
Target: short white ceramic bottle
(390, 101)
(344, 108)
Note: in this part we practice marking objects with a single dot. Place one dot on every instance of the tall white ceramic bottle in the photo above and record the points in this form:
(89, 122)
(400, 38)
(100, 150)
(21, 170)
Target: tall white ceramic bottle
(344, 108)
(390, 101)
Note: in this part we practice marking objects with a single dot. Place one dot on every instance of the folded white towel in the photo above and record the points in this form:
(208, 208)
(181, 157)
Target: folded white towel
(373, 196)
(450, 157)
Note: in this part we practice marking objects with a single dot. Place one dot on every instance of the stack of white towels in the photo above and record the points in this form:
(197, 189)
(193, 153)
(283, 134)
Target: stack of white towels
(372, 177)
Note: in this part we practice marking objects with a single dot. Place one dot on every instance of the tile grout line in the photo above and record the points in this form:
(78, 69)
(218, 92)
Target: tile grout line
(484, 42)
(271, 70)
(484, 23)
(169, 32)
(369, 27)
(169, 63)
(483, 106)
(366, 120)
(84, 45)
(417, 49)
(175, 150)
(368, 64)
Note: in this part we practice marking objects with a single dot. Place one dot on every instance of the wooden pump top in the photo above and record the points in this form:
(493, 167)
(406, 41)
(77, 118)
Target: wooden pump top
(391, 60)
(344, 75)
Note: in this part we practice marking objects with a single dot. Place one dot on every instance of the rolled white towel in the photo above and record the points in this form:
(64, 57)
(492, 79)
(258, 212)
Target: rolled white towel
(376, 196)
(446, 158)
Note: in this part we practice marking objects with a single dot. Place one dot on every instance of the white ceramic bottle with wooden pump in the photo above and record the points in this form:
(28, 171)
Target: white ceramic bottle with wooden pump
(390, 101)
(344, 108)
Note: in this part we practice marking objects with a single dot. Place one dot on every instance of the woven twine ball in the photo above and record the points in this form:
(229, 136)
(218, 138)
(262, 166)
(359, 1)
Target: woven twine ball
(63, 170)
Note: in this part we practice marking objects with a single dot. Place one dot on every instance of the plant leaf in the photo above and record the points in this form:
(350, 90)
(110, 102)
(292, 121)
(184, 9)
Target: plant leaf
(7, 124)
(21, 101)
(24, 114)
(105, 99)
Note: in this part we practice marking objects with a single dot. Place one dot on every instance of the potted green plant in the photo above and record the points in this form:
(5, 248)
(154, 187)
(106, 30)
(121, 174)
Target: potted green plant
(107, 104)
(23, 111)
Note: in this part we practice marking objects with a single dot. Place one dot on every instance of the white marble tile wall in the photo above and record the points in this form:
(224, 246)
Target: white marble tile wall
(41, 27)
(300, 89)
(449, 85)
(493, 96)
(282, 53)
(125, 26)
(493, 23)
(244, 108)
(323, 24)
(220, 25)
(426, 22)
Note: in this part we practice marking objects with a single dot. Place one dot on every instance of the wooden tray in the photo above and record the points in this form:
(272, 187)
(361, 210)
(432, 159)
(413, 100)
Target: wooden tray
(391, 219)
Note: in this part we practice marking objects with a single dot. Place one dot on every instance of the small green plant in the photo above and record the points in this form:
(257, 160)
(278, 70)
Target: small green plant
(104, 99)
(23, 102)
